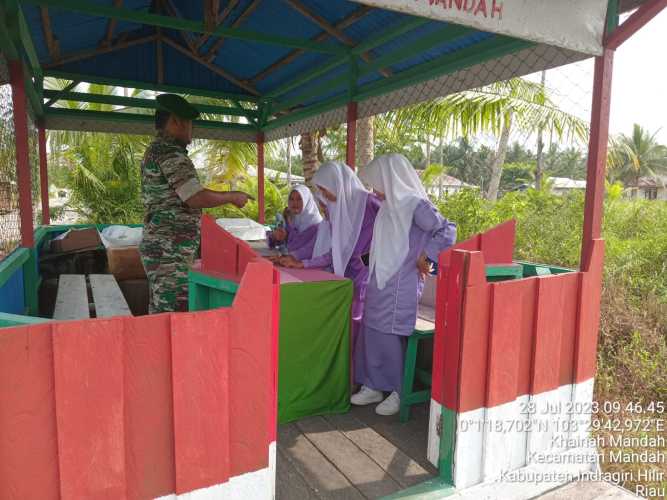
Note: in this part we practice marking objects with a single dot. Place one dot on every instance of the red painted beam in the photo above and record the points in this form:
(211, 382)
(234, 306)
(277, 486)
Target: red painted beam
(634, 23)
(597, 153)
(260, 177)
(44, 175)
(22, 157)
(351, 153)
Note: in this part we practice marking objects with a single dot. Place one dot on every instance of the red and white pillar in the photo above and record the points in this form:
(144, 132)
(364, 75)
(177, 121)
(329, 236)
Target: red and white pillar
(44, 175)
(260, 178)
(19, 102)
(351, 151)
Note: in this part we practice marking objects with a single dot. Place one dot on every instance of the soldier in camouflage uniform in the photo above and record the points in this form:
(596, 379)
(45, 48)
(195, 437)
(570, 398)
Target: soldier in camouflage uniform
(173, 200)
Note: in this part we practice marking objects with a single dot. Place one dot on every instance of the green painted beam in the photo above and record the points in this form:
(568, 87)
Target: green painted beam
(63, 91)
(433, 489)
(612, 16)
(447, 445)
(439, 37)
(169, 22)
(137, 102)
(134, 84)
(116, 116)
(352, 79)
(31, 282)
(7, 46)
(28, 45)
(390, 34)
(7, 320)
(32, 93)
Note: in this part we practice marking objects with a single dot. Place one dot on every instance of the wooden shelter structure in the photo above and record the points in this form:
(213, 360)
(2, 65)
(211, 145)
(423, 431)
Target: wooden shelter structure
(134, 407)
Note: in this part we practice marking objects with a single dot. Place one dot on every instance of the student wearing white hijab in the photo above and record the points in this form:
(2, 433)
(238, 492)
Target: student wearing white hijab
(323, 239)
(408, 232)
(351, 213)
(302, 223)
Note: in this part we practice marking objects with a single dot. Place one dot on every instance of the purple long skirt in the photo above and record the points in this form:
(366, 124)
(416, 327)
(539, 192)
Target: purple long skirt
(378, 359)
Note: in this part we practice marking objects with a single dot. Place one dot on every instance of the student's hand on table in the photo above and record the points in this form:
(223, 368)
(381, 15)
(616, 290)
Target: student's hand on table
(279, 234)
(423, 265)
(289, 261)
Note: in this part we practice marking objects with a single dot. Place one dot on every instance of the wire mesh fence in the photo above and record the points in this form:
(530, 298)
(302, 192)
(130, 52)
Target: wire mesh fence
(33, 144)
(10, 220)
(527, 112)
(10, 225)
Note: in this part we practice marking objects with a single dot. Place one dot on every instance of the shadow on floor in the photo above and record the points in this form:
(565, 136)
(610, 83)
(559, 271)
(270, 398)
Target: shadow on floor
(352, 456)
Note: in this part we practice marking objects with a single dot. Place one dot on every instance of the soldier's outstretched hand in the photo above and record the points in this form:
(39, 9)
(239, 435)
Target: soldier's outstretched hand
(239, 198)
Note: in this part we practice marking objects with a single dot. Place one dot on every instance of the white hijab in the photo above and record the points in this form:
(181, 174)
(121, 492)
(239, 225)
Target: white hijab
(323, 238)
(310, 213)
(394, 176)
(346, 214)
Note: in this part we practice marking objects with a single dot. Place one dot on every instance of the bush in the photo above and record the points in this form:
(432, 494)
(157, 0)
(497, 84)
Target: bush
(549, 230)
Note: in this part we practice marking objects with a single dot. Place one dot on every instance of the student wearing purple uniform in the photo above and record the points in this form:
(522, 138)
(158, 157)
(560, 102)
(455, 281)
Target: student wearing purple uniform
(301, 224)
(351, 213)
(408, 232)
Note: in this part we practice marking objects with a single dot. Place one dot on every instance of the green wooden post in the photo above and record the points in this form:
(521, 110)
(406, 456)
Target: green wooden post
(31, 282)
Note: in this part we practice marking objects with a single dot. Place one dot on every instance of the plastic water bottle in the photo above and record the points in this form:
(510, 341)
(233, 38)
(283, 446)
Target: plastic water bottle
(281, 224)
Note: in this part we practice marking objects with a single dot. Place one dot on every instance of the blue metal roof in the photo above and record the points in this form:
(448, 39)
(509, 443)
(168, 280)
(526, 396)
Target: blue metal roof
(77, 33)
(263, 56)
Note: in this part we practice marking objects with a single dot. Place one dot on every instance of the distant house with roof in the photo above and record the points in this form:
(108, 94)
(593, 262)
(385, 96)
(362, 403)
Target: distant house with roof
(649, 188)
(563, 185)
(276, 175)
(446, 184)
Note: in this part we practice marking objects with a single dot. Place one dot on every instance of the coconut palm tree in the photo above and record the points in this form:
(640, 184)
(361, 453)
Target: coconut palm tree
(636, 155)
(365, 141)
(310, 146)
(499, 108)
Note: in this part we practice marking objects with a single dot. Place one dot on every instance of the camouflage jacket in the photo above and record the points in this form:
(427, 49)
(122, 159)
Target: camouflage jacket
(168, 177)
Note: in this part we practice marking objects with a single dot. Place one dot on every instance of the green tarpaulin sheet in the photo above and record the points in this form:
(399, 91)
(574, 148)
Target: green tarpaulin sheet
(314, 349)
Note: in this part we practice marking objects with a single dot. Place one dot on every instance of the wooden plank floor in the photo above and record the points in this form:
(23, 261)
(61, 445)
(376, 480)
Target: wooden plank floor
(353, 456)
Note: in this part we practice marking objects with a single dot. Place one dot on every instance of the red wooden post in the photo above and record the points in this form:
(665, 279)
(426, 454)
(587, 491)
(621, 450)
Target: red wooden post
(351, 153)
(22, 157)
(44, 175)
(260, 177)
(597, 153)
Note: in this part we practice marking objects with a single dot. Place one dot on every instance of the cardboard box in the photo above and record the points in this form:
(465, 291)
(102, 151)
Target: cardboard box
(76, 239)
(125, 263)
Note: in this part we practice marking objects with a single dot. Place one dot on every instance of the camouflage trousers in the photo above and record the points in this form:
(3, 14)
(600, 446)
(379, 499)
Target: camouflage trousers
(167, 261)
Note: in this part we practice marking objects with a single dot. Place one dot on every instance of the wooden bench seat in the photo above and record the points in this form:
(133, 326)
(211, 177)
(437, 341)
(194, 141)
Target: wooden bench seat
(108, 298)
(425, 318)
(72, 300)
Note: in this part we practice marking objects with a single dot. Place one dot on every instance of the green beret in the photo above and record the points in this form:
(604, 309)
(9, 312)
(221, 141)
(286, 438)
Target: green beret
(176, 105)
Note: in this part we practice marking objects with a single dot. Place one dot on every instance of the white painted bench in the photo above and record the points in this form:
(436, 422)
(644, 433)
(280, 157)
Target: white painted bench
(72, 298)
(426, 306)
